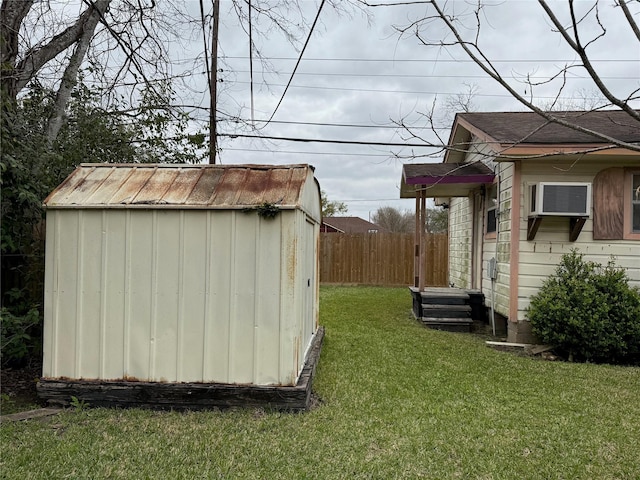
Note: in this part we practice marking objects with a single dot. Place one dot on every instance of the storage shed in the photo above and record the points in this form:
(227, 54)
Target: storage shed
(182, 285)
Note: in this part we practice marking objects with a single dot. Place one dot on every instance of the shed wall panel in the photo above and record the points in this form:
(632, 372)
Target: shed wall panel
(268, 272)
(191, 330)
(66, 288)
(220, 253)
(166, 296)
(142, 273)
(113, 296)
(89, 285)
(241, 335)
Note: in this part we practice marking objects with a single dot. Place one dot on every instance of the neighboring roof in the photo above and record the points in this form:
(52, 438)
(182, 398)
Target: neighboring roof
(522, 131)
(180, 186)
(444, 179)
(351, 224)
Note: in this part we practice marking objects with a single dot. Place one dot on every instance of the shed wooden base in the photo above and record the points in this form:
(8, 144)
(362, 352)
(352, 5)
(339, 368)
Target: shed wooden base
(186, 396)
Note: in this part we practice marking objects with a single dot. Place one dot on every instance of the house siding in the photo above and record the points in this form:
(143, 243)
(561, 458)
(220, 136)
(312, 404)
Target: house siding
(461, 221)
(499, 247)
(460, 235)
(540, 256)
(537, 258)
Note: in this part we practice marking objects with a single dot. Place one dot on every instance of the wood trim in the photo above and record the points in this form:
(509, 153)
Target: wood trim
(557, 149)
(628, 234)
(514, 254)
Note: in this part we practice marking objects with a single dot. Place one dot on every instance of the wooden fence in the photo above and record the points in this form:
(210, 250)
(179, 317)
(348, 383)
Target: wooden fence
(381, 259)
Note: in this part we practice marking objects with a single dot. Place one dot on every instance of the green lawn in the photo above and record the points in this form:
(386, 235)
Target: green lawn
(397, 401)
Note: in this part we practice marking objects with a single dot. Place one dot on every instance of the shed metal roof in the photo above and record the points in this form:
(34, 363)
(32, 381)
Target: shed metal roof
(180, 186)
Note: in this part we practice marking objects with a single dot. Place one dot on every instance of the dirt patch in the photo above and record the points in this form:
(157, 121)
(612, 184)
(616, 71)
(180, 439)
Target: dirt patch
(18, 388)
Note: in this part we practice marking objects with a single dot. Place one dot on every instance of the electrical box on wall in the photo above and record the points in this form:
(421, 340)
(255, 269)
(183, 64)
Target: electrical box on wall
(492, 268)
(560, 199)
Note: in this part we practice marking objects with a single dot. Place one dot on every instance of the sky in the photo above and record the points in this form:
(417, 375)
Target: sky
(359, 77)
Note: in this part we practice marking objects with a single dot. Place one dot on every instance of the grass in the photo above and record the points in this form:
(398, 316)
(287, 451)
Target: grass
(397, 401)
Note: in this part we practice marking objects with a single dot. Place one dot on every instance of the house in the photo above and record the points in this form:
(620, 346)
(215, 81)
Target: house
(522, 192)
(349, 225)
(182, 286)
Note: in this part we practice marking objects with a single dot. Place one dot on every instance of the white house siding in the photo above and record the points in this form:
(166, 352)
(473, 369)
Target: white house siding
(500, 248)
(460, 239)
(177, 296)
(539, 257)
(461, 219)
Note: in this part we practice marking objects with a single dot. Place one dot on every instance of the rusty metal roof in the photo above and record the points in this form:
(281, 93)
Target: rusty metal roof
(179, 186)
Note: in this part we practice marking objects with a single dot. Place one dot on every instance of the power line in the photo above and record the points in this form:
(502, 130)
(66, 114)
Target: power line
(401, 75)
(336, 154)
(403, 92)
(313, 26)
(438, 60)
(323, 140)
(320, 124)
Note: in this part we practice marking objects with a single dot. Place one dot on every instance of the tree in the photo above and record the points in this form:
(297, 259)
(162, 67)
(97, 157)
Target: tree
(397, 221)
(394, 220)
(331, 208)
(579, 25)
(437, 220)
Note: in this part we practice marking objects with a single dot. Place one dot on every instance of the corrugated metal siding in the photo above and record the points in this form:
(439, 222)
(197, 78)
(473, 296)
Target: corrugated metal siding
(179, 295)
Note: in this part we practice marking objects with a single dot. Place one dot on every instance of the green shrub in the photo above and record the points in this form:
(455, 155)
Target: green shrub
(588, 312)
(20, 337)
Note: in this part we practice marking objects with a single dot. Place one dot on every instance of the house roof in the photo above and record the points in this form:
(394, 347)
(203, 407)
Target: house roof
(443, 179)
(519, 133)
(180, 186)
(351, 224)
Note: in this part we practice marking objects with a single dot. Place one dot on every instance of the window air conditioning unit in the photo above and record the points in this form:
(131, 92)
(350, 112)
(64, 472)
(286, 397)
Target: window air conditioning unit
(570, 199)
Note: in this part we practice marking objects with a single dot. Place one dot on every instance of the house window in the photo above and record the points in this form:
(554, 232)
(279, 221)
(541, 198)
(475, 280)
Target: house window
(492, 208)
(635, 202)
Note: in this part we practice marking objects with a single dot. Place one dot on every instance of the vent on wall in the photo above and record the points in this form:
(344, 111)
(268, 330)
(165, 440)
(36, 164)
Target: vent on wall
(560, 199)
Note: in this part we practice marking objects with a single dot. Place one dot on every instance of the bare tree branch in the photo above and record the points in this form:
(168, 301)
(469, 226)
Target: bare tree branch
(475, 52)
(630, 19)
(35, 59)
(70, 77)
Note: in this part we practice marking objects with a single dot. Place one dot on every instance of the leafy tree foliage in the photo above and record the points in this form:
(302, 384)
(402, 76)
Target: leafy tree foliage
(397, 221)
(589, 312)
(331, 208)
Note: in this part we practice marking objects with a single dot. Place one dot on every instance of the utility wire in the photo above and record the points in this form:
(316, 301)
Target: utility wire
(319, 124)
(313, 26)
(251, 59)
(335, 154)
(323, 140)
(204, 40)
(436, 60)
(400, 75)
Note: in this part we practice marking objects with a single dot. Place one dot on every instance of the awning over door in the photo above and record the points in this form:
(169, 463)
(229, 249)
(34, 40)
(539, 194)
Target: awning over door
(444, 179)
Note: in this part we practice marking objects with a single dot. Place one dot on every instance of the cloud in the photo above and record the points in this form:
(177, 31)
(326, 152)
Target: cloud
(357, 72)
